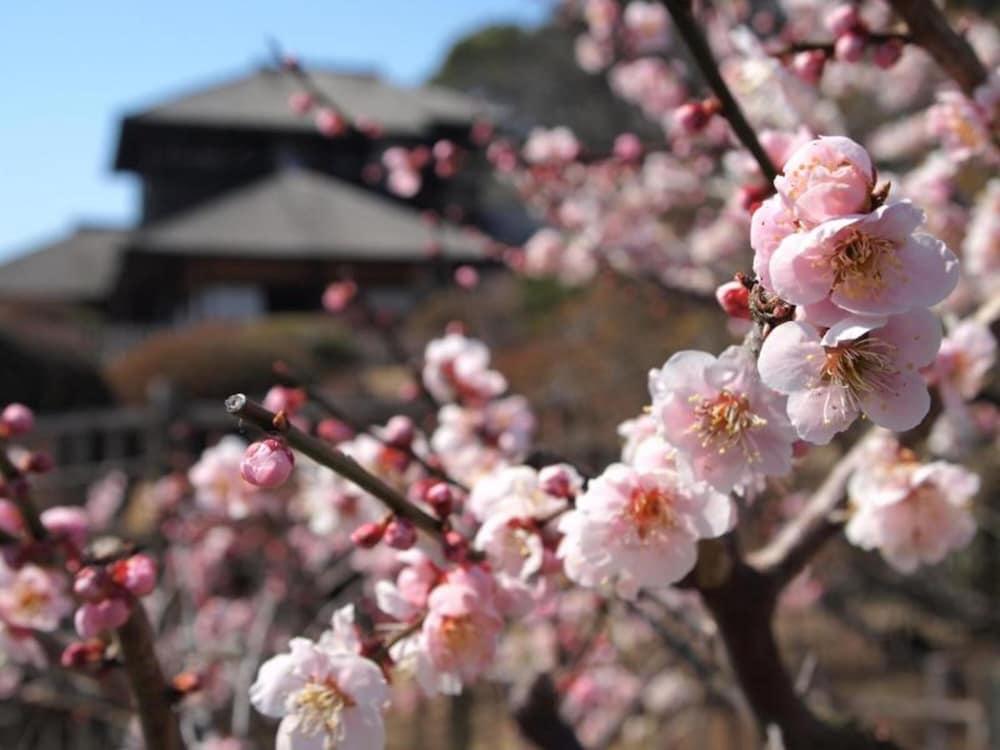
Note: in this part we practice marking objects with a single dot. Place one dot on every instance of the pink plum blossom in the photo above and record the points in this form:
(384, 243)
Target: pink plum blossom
(93, 618)
(869, 264)
(861, 365)
(457, 368)
(639, 530)
(724, 422)
(827, 178)
(771, 223)
(967, 354)
(512, 544)
(33, 597)
(912, 513)
(327, 697)
(513, 492)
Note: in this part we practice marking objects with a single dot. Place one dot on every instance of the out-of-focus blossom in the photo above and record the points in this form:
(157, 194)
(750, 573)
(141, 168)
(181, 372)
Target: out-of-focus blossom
(33, 597)
(457, 368)
(967, 353)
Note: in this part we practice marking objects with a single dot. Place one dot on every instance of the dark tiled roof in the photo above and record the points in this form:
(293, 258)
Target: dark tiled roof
(301, 214)
(79, 268)
(260, 101)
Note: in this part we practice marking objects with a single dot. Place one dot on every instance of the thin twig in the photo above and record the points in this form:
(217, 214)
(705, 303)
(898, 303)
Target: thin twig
(703, 57)
(240, 406)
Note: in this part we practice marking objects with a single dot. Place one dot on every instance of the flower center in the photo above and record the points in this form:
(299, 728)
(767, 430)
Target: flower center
(861, 367)
(459, 632)
(651, 511)
(725, 420)
(319, 705)
(30, 600)
(860, 264)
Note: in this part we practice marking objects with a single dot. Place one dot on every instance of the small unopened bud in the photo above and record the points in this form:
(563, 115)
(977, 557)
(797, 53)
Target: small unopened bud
(734, 299)
(842, 19)
(850, 47)
(400, 431)
(82, 653)
(334, 431)
(300, 102)
(888, 53)
(186, 682)
(400, 534)
(456, 546)
(808, 65)
(136, 573)
(93, 618)
(91, 584)
(441, 498)
(339, 295)
(369, 534)
(330, 123)
(692, 117)
(66, 522)
(559, 480)
(267, 463)
(38, 462)
(628, 147)
(288, 400)
(466, 277)
(16, 419)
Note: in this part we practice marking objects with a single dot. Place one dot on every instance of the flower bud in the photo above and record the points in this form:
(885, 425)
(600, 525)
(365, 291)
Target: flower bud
(692, 117)
(330, 123)
(400, 431)
(66, 522)
(300, 102)
(91, 584)
(93, 618)
(334, 431)
(17, 419)
(367, 535)
(808, 65)
(888, 53)
(137, 574)
(466, 277)
(456, 547)
(400, 534)
(441, 498)
(734, 298)
(82, 653)
(339, 295)
(628, 147)
(850, 47)
(38, 462)
(289, 400)
(559, 480)
(267, 463)
(842, 19)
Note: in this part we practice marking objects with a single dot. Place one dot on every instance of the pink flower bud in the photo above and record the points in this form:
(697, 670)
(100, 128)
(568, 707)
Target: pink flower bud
(628, 147)
(400, 431)
(137, 574)
(808, 65)
(330, 123)
(17, 419)
(441, 498)
(288, 400)
(842, 19)
(81, 653)
(888, 53)
(38, 462)
(68, 523)
(456, 547)
(691, 116)
(300, 102)
(91, 584)
(850, 47)
(558, 480)
(11, 520)
(367, 535)
(93, 618)
(368, 126)
(334, 431)
(267, 463)
(339, 295)
(400, 534)
(734, 299)
(466, 277)
(444, 150)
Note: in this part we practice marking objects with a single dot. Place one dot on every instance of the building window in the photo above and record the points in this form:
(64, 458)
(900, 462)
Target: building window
(223, 302)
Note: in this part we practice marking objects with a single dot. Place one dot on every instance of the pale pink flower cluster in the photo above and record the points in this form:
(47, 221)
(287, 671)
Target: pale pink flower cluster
(727, 426)
(33, 597)
(639, 529)
(862, 280)
(551, 146)
(981, 250)
(911, 512)
(966, 126)
(326, 695)
(457, 368)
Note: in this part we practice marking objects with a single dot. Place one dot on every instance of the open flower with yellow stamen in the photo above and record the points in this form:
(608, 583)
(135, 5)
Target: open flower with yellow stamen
(861, 365)
(637, 529)
(723, 421)
(866, 264)
(326, 695)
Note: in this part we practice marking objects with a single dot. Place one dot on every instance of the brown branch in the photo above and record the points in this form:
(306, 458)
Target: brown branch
(160, 729)
(240, 406)
(828, 47)
(698, 46)
(930, 29)
(537, 716)
(18, 484)
(797, 542)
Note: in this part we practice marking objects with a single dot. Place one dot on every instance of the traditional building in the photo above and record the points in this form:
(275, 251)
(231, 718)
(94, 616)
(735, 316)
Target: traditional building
(246, 208)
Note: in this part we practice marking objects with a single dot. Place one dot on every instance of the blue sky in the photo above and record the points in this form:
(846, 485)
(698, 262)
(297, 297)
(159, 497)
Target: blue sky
(71, 68)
